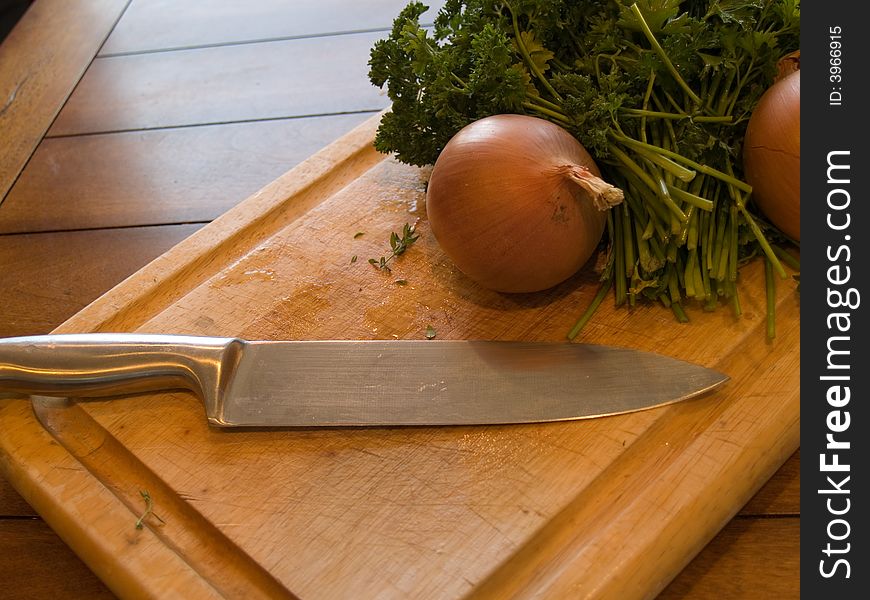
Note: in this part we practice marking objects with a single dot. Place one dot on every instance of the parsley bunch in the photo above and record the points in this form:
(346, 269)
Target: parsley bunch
(658, 91)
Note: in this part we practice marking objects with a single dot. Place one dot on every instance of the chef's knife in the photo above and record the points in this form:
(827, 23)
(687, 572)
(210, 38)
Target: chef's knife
(356, 383)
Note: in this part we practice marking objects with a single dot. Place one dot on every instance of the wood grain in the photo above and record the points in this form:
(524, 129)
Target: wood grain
(41, 60)
(223, 84)
(679, 475)
(132, 549)
(184, 175)
(722, 570)
(159, 25)
(12, 505)
(749, 558)
(49, 276)
(36, 566)
(781, 496)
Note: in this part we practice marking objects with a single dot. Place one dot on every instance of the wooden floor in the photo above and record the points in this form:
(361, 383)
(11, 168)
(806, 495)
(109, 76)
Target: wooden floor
(128, 125)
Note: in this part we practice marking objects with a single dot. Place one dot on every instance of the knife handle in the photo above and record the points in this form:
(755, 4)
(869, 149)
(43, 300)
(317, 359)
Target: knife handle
(110, 364)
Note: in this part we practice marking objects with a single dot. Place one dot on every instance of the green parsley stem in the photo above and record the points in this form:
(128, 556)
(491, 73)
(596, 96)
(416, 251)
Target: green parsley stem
(635, 169)
(645, 258)
(656, 114)
(690, 198)
(546, 111)
(619, 257)
(690, 237)
(679, 171)
(741, 82)
(681, 315)
(770, 288)
(710, 237)
(701, 168)
(723, 249)
(740, 201)
(646, 98)
(735, 300)
(787, 258)
(673, 285)
(526, 57)
(718, 243)
(648, 229)
(713, 90)
(676, 211)
(627, 237)
(725, 99)
(657, 210)
(551, 105)
(661, 52)
(735, 244)
(762, 241)
(603, 290)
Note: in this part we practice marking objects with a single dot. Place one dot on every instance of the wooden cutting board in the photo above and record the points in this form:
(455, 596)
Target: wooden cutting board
(605, 508)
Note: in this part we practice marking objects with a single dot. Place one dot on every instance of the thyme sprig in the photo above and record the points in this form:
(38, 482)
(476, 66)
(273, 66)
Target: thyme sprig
(149, 509)
(398, 245)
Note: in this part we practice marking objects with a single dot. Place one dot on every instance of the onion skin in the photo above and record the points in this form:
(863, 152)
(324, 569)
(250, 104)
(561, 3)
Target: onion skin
(772, 154)
(512, 202)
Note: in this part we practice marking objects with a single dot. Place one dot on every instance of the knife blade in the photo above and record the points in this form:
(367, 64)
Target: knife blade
(356, 383)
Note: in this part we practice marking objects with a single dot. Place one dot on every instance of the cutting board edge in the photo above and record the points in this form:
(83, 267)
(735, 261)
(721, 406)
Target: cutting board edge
(199, 256)
(86, 541)
(31, 461)
(555, 561)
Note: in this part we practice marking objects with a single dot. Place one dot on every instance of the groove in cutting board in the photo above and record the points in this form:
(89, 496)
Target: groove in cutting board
(194, 539)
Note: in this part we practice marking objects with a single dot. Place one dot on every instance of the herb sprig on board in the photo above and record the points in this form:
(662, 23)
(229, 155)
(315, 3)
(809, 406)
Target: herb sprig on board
(659, 91)
(398, 245)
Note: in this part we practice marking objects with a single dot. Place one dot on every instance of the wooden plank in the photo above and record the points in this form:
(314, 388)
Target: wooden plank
(118, 541)
(190, 174)
(538, 509)
(49, 276)
(159, 24)
(778, 497)
(781, 495)
(35, 564)
(12, 505)
(41, 61)
(750, 558)
(743, 561)
(270, 80)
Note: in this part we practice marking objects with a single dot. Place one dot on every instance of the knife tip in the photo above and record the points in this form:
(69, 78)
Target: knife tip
(715, 380)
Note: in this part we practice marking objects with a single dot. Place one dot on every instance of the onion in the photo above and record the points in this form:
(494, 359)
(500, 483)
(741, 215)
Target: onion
(772, 154)
(516, 203)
